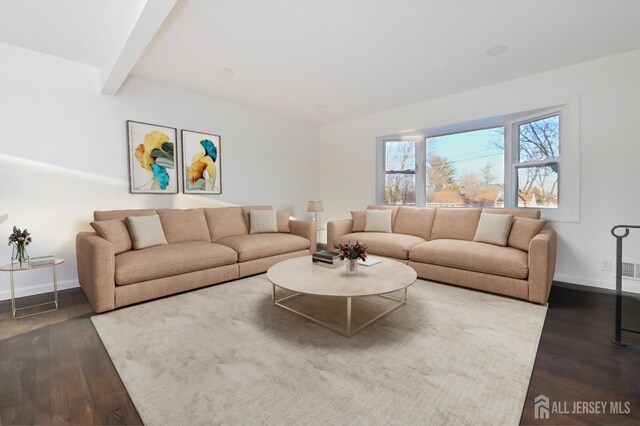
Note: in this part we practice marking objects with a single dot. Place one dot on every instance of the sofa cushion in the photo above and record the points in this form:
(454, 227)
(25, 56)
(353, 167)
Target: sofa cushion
(257, 246)
(528, 213)
(115, 231)
(145, 231)
(522, 232)
(225, 222)
(169, 260)
(358, 220)
(377, 221)
(455, 223)
(493, 228)
(262, 221)
(383, 244)
(121, 214)
(473, 256)
(416, 221)
(181, 226)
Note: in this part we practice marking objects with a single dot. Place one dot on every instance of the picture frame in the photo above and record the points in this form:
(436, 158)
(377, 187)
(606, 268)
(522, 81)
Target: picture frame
(152, 158)
(201, 162)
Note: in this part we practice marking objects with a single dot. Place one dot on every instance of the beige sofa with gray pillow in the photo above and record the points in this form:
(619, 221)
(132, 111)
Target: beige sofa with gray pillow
(203, 247)
(513, 254)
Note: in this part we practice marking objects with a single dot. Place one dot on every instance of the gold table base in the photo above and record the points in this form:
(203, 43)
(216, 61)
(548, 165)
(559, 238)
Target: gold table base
(347, 330)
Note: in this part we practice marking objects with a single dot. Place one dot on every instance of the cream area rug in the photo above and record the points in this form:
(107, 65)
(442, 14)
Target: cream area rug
(226, 355)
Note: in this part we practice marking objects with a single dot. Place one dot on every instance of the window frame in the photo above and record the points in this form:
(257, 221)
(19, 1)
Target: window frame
(568, 161)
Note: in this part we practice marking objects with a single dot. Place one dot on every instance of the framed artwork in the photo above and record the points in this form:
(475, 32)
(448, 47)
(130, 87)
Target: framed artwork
(201, 163)
(152, 158)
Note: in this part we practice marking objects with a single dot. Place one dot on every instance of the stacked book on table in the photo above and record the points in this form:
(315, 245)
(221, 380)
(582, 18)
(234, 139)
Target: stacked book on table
(326, 258)
(42, 260)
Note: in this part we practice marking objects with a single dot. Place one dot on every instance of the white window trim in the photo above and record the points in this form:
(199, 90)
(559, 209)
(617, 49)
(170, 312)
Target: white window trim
(568, 162)
(568, 209)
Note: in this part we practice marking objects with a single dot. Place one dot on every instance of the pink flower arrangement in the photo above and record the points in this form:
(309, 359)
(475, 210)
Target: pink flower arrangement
(356, 250)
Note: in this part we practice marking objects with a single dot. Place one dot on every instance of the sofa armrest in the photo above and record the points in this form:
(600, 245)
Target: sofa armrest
(96, 270)
(336, 229)
(305, 229)
(542, 265)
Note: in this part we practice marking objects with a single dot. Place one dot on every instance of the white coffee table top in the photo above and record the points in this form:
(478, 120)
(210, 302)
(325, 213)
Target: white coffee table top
(302, 276)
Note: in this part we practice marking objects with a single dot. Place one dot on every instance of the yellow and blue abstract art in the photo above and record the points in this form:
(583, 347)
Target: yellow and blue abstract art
(201, 163)
(152, 158)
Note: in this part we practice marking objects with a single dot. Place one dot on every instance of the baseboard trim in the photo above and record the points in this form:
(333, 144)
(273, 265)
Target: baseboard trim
(38, 289)
(627, 286)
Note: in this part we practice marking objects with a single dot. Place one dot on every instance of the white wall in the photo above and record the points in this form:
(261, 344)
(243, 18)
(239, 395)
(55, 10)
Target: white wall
(63, 154)
(609, 93)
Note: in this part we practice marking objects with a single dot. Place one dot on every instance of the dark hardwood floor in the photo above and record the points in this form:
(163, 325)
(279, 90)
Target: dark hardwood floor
(576, 362)
(55, 370)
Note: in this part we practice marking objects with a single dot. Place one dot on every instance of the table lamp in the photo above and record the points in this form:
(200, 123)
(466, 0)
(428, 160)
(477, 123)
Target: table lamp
(315, 207)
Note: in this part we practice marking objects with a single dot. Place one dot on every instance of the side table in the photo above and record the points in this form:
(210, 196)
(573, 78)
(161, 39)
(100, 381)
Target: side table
(15, 267)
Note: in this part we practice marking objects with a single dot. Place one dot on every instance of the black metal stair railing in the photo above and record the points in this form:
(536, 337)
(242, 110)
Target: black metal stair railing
(619, 328)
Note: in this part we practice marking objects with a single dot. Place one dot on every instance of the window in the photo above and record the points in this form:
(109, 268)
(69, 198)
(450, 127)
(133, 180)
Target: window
(400, 172)
(524, 160)
(466, 169)
(536, 169)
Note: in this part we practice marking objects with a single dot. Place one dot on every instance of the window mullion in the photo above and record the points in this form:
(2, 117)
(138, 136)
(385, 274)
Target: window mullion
(421, 172)
(509, 169)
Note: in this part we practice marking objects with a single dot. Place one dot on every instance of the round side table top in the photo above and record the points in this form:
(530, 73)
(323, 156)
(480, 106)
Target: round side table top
(26, 267)
(302, 276)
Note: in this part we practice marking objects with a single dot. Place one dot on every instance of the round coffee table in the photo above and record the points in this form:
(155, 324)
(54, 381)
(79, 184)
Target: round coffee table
(303, 277)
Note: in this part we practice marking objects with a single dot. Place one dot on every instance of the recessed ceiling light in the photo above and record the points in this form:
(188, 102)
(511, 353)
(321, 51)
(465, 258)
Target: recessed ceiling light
(321, 106)
(227, 72)
(497, 50)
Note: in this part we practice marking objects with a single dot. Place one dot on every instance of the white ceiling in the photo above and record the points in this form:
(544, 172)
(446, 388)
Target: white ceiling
(91, 32)
(356, 57)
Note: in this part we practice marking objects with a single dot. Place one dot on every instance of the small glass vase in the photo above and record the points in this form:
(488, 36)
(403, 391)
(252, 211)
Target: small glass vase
(19, 254)
(352, 266)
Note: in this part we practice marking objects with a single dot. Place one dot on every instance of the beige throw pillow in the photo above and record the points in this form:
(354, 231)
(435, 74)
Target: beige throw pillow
(146, 231)
(262, 221)
(493, 228)
(378, 221)
(115, 231)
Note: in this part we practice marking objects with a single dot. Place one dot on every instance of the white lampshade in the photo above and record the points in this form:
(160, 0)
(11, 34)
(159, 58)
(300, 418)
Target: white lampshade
(315, 206)
(4, 217)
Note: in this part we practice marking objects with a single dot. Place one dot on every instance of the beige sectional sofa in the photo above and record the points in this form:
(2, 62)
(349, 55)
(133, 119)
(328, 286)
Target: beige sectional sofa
(205, 246)
(438, 244)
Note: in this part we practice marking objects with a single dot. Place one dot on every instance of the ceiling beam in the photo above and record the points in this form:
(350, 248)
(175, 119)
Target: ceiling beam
(149, 22)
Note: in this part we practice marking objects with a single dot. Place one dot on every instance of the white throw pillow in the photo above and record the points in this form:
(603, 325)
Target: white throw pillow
(262, 221)
(493, 228)
(146, 231)
(377, 221)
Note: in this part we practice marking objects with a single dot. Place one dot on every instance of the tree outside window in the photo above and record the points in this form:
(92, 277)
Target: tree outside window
(537, 168)
(400, 172)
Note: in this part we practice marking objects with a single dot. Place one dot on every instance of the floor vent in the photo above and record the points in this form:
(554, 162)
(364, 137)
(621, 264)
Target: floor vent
(631, 270)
